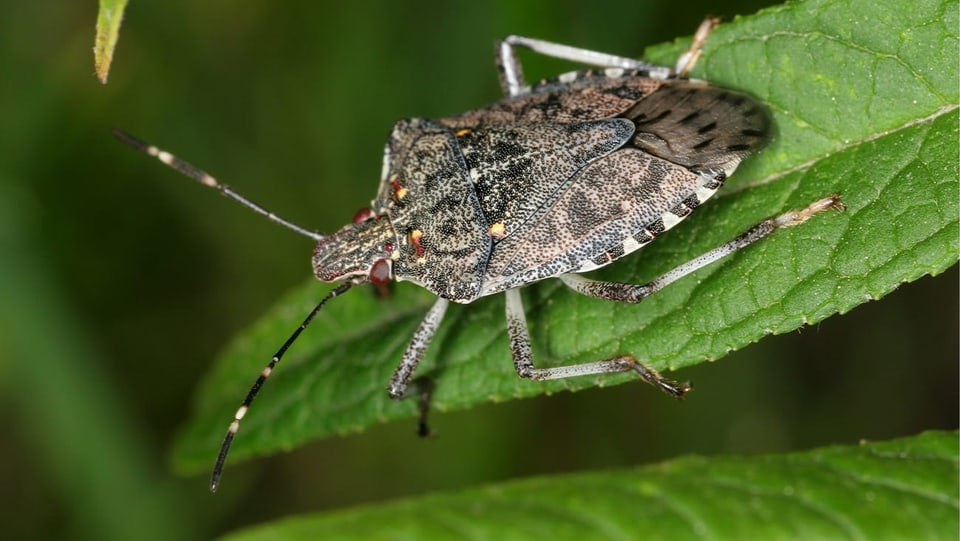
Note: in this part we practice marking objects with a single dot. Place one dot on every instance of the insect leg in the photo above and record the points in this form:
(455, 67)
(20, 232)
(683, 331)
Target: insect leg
(511, 72)
(523, 356)
(423, 386)
(416, 349)
(689, 58)
(633, 293)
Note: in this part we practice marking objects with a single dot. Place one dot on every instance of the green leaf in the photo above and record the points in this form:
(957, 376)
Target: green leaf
(109, 17)
(901, 489)
(865, 99)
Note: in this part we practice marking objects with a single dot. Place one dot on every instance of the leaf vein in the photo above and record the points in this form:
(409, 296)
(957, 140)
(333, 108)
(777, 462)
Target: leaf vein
(947, 109)
(878, 55)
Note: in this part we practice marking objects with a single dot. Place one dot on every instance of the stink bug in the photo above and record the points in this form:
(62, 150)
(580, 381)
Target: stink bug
(558, 178)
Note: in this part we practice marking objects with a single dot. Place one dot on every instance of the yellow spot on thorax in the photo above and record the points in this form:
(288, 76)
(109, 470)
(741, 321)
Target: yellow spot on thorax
(415, 237)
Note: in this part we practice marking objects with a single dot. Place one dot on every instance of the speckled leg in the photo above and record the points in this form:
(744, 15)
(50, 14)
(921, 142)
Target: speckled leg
(416, 349)
(523, 356)
(634, 293)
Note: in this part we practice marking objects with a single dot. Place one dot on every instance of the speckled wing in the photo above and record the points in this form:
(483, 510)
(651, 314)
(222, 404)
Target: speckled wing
(572, 97)
(700, 126)
(517, 169)
(689, 136)
(602, 211)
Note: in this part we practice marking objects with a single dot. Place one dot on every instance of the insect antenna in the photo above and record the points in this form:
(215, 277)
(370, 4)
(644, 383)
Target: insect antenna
(264, 374)
(206, 179)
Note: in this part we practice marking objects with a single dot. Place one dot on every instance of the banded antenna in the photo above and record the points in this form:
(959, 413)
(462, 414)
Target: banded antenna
(207, 180)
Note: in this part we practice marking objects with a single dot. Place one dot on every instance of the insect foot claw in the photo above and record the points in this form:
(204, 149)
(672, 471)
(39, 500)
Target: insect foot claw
(797, 217)
(673, 388)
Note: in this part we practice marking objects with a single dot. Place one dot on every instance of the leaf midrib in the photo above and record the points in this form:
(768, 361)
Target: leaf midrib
(946, 109)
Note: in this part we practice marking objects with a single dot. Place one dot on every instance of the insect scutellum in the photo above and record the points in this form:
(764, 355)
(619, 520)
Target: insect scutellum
(558, 178)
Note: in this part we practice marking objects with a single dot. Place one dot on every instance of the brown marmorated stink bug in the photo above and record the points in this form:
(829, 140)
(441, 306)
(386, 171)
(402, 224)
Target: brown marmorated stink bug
(558, 178)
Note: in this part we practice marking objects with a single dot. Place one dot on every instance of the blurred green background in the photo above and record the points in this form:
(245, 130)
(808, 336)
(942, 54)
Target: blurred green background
(120, 280)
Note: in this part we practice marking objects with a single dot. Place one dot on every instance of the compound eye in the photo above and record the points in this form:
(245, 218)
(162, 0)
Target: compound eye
(363, 215)
(381, 272)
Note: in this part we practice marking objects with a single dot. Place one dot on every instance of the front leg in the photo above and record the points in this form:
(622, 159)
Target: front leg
(523, 357)
(416, 349)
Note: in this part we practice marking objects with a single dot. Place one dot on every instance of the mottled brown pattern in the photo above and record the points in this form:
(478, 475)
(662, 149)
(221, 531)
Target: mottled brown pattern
(610, 200)
(517, 168)
(697, 125)
(590, 97)
(572, 171)
(447, 255)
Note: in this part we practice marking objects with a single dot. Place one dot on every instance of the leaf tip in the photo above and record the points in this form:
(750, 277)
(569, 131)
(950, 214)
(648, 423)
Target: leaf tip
(109, 17)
